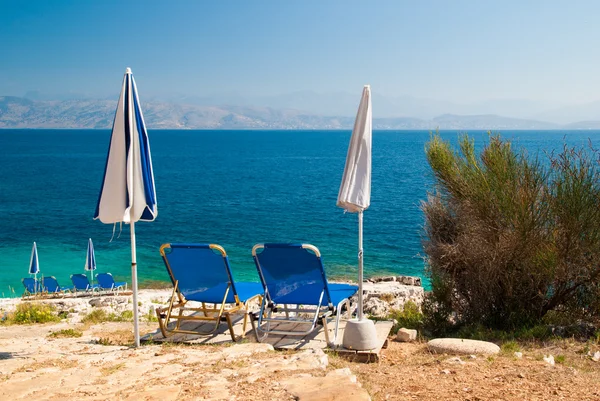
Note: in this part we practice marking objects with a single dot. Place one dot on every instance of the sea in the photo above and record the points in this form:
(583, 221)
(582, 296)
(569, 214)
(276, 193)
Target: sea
(233, 188)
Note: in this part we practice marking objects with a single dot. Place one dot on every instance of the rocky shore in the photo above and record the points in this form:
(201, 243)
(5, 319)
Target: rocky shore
(380, 295)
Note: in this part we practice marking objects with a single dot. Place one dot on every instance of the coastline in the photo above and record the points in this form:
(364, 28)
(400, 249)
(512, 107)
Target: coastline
(395, 290)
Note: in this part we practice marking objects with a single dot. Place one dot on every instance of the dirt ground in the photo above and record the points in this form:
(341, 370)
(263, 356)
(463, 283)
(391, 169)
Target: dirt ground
(410, 371)
(35, 365)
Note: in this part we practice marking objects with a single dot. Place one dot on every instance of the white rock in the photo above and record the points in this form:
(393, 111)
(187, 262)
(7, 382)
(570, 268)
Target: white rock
(549, 360)
(462, 346)
(596, 356)
(376, 307)
(518, 355)
(406, 335)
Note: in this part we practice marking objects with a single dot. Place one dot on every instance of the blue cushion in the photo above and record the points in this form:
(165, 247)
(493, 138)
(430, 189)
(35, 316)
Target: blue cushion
(309, 294)
(340, 292)
(214, 295)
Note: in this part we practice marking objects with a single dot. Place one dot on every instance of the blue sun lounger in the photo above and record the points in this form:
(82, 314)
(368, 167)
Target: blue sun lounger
(201, 273)
(32, 287)
(50, 286)
(106, 282)
(81, 283)
(293, 274)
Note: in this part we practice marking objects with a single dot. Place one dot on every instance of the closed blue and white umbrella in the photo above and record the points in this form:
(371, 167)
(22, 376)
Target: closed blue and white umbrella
(127, 194)
(90, 261)
(34, 264)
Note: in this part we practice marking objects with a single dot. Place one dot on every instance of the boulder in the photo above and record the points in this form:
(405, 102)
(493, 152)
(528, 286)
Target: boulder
(461, 346)
(406, 335)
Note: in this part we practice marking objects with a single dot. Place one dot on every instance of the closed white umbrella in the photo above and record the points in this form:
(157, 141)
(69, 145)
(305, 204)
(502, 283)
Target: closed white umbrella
(355, 190)
(355, 197)
(128, 194)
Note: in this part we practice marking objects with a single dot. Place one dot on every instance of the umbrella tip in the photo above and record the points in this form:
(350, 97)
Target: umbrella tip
(128, 70)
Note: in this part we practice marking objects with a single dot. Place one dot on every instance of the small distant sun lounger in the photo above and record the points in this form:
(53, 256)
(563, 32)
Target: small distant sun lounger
(50, 286)
(32, 287)
(293, 274)
(106, 282)
(82, 284)
(201, 273)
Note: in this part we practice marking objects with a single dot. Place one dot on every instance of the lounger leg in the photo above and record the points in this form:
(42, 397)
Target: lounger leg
(228, 318)
(253, 324)
(161, 324)
(326, 330)
(245, 322)
(261, 314)
(339, 314)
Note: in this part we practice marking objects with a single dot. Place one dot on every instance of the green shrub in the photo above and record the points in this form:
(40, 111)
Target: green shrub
(66, 333)
(151, 317)
(510, 347)
(32, 312)
(410, 317)
(508, 237)
(100, 315)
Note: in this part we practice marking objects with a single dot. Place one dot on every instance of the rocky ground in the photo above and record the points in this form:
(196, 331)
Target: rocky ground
(34, 365)
(100, 364)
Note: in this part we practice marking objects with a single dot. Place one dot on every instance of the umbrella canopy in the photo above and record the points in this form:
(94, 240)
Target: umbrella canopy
(355, 190)
(34, 264)
(90, 259)
(127, 194)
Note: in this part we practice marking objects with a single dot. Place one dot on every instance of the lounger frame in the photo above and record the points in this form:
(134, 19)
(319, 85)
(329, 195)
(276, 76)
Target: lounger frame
(319, 313)
(37, 285)
(58, 291)
(90, 288)
(178, 311)
(114, 288)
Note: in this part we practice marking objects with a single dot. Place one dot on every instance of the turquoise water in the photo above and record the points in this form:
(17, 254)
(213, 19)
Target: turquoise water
(234, 188)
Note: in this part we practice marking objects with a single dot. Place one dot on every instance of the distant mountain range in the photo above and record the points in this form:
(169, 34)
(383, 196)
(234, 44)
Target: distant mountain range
(18, 112)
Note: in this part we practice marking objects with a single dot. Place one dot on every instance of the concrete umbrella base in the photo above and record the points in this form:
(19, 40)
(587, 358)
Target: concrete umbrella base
(360, 335)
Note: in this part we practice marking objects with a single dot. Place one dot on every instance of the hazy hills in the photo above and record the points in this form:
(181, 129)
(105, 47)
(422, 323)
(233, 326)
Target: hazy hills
(198, 113)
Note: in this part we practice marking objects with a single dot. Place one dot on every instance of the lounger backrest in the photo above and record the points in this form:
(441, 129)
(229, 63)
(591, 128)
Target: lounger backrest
(80, 281)
(105, 280)
(30, 285)
(284, 268)
(196, 267)
(50, 284)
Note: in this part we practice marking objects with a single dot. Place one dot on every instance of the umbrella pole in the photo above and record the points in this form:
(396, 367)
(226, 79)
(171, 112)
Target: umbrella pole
(134, 286)
(360, 265)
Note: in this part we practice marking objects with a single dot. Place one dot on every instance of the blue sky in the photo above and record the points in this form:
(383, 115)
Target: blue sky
(447, 50)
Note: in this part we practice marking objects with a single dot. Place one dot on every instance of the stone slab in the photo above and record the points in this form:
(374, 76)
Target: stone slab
(462, 346)
(314, 340)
